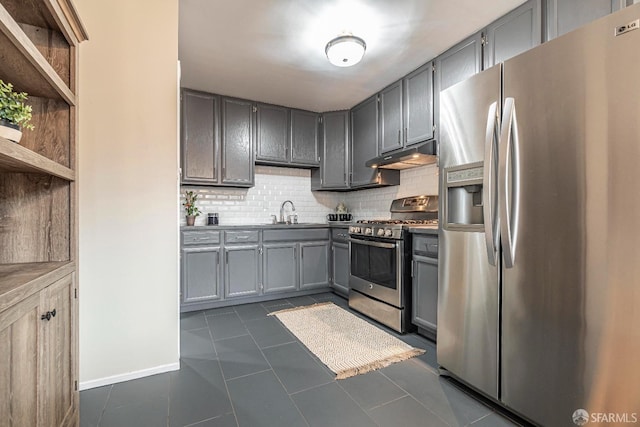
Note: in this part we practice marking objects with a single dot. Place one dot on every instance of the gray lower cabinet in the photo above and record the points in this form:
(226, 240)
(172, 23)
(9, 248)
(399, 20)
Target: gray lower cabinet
(425, 292)
(391, 137)
(199, 138)
(340, 267)
(333, 173)
(567, 15)
(237, 136)
(200, 274)
(305, 138)
(424, 273)
(314, 265)
(242, 271)
(514, 33)
(279, 267)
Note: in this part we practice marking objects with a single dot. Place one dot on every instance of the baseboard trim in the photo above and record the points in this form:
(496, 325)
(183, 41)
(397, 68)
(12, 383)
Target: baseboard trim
(86, 385)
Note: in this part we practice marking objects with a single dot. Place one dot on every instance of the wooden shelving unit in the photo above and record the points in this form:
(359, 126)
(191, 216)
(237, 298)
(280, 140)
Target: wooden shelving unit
(15, 158)
(38, 216)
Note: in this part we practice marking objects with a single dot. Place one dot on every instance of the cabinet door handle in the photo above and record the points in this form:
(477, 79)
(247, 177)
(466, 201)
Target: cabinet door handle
(405, 135)
(48, 315)
(399, 133)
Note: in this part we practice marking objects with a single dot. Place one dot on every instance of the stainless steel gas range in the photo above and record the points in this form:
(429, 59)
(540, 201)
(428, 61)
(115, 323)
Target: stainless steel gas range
(380, 261)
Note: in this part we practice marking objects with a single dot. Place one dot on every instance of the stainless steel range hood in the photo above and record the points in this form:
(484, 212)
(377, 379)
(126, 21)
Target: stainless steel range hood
(418, 155)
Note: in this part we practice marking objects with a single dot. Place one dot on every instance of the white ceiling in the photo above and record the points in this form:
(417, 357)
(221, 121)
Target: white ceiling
(273, 50)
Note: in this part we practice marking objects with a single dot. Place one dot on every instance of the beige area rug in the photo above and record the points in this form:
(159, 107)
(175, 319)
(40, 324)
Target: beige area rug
(345, 343)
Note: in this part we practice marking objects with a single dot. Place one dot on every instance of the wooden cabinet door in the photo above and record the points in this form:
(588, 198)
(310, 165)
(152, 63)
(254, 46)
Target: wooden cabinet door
(335, 143)
(460, 62)
(340, 267)
(418, 105)
(364, 141)
(272, 134)
(304, 137)
(59, 353)
(237, 142)
(425, 292)
(314, 265)
(391, 118)
(280, 267)
(201, 274)
(20, 335)
(241, 271)
(514, 33)
(567, 15)
(199, 138)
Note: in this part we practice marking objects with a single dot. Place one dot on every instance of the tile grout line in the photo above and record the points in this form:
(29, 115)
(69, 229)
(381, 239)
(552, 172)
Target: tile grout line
(226, 387)
(279, 380)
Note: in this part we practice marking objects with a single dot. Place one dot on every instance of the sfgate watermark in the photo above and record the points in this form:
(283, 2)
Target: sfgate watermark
(582, 417)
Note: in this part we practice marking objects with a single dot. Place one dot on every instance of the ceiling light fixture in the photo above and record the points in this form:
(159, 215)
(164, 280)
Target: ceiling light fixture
(345, 51)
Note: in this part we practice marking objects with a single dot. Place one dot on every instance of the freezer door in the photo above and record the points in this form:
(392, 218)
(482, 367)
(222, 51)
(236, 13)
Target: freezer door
(468, 287)
(571, 323)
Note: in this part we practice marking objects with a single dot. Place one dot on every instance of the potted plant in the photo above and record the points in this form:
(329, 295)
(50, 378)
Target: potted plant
(15, 115)
(190, 207)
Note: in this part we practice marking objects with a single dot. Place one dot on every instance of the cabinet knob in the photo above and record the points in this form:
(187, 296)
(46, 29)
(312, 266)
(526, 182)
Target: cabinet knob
(48, 315)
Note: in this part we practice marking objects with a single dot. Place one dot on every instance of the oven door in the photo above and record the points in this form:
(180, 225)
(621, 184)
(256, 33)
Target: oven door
(375, 269)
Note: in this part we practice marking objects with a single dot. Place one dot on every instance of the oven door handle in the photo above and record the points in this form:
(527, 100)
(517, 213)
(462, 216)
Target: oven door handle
(374, 244)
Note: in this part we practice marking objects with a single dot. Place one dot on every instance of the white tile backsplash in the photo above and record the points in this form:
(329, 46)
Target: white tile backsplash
(274, 185)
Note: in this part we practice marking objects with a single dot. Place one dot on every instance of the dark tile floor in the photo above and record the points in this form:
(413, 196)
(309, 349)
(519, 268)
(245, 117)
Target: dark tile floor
(241, 367)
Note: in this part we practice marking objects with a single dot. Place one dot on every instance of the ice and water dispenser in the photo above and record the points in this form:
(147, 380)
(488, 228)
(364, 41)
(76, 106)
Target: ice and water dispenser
(463, 197)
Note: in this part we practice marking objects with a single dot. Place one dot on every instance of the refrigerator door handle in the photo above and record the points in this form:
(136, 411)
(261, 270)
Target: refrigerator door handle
(509, 182)
(489, 182)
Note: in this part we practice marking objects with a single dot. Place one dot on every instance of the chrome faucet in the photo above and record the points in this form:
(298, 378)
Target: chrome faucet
(293, 209)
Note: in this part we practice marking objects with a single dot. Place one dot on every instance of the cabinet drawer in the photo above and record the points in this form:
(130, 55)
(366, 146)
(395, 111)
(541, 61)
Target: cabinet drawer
(339, 234)
(241, 236)
(426, 246)
(295, 235)
(200, 237)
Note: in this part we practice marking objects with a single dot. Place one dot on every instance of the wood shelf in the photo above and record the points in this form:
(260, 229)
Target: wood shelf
(18, 281)
(22, 64)
(16, 158)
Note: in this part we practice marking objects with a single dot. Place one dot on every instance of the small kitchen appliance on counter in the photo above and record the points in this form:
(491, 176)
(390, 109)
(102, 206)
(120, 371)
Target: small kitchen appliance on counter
(380, 261)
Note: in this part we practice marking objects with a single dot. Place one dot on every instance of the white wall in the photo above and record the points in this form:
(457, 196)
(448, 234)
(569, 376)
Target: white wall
(274, 185)
(128, 265)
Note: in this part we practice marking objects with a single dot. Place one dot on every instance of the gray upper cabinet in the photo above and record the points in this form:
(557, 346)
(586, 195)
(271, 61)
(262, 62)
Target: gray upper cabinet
(305, 138)
(334, 158)
(418, 105)
(314, 265)
(514, 33)
(390, 122)
(460, 62)
(567, 15)
(200, 274)
(242, 269)
(238, 135)
(199, 138)
(364, 141)
(272, 134)
(279, 266)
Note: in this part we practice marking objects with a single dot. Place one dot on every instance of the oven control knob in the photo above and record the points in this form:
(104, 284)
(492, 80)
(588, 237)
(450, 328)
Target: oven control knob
(370, 286)
(388, 232)
(368, 231)
(381, 232)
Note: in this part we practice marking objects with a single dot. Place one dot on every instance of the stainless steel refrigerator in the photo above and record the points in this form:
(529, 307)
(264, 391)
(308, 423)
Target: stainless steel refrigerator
(539, 286)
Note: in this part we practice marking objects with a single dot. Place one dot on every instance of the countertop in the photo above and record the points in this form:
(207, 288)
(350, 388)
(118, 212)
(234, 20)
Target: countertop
(424, 230)
(252, 226)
